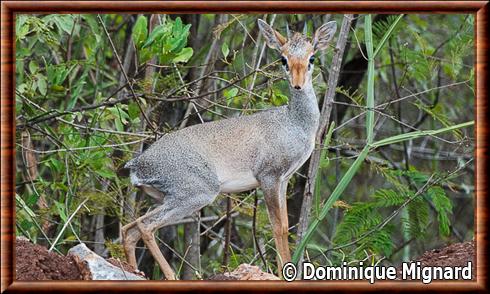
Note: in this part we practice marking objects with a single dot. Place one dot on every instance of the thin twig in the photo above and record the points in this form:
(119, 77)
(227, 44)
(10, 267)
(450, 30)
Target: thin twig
(254, 230)
(226, 249)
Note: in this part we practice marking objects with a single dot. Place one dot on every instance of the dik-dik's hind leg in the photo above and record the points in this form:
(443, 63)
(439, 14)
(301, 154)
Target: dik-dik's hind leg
(130, 236)
(149, 239)
(144, 228)
(174, 208)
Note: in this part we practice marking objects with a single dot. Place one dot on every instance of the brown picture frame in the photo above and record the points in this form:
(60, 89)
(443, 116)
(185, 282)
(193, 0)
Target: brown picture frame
(10, 8)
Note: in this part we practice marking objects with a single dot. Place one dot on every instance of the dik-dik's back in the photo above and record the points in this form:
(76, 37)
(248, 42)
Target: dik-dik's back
(235, 152)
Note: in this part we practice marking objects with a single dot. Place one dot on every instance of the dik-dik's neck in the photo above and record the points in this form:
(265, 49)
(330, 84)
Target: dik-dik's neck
(303, 107)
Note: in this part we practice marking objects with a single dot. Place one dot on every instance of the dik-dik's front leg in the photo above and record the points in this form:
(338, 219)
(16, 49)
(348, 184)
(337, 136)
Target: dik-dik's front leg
(275, 199)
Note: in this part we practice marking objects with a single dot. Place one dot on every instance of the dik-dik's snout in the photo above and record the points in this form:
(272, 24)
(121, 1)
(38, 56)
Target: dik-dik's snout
(298, 76)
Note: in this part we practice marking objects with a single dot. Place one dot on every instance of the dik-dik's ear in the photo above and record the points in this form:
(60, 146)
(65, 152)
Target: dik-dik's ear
(273, 39)
(323, 35)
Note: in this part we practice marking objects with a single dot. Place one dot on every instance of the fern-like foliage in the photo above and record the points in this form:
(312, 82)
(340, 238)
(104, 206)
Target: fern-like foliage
(418, 218)
(380, 27)
(387, 198)
(363, 222)
(443, 206)
(363, 219)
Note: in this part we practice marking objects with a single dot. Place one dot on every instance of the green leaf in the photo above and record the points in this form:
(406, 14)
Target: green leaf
(21, 27)
(133, 110)
(278, 98)
(119, 125)
(55, 164)
(387, 35)
(443, 207)
(177, 44)
(370, 80)
(154, 35)
(61, 210)
(388, 197)
(57, 88)
(144, 55)
(225, 50)
(65, 22)
(42, 85)
(140, 31)
(33, 67)
(229, 94)
(105, 172)
(24, 206)
(177, 27)
(184, 55)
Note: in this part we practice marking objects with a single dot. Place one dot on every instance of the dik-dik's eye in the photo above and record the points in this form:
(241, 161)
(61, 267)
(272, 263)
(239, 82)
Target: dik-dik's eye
(284, 62)
(311, 61)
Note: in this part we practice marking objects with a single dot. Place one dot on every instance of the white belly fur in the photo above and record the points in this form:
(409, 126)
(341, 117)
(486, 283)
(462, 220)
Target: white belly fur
(237, 181)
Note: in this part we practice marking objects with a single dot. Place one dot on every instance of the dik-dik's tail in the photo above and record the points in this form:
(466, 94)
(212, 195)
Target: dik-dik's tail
(130, 163)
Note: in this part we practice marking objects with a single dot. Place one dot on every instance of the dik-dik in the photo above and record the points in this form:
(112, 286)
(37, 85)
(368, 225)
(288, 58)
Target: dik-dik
(186, 170)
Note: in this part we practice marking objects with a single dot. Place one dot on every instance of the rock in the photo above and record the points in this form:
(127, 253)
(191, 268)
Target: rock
(97, 268)
(248, 272)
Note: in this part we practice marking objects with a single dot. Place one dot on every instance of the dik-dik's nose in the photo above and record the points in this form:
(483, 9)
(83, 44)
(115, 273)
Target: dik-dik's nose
(297, 82)
(298, 76)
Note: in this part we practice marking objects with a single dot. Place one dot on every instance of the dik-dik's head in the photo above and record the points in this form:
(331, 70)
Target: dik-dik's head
(298, 51)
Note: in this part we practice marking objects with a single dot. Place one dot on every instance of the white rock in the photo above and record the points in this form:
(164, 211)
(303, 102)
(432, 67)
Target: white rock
(99, 268)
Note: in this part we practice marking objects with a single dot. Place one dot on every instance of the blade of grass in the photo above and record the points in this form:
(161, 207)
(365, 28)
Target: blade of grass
(66, 224)
(339, 189)
(32, 216)
(417, 134)
(387, 35)
(370, 80)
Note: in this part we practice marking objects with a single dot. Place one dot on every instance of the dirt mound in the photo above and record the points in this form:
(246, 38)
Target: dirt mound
(457, 254)
(35, 262)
